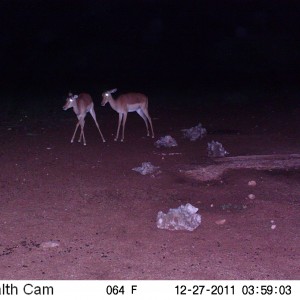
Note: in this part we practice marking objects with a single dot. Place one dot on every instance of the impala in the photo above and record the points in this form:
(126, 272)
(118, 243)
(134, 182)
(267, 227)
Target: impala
(82, 104)
(126, 103)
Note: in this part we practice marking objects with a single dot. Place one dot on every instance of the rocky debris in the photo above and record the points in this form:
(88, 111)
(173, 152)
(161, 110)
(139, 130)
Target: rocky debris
(166, 141)
(184, 217)
(216, 149)
(194, 133)
(146, 168)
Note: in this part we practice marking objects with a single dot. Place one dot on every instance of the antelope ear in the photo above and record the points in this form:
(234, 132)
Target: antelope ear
(75, 97)
(70, 94)
(112, 91)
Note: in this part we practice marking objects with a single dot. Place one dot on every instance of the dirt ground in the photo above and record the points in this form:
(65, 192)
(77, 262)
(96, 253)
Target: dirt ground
(100, 215)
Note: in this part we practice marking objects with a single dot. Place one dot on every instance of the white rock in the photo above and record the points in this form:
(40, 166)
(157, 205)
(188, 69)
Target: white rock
(184, 217)
(166, 141)
(221, 222)
(252, 183)
(146, 168)
(49, 244)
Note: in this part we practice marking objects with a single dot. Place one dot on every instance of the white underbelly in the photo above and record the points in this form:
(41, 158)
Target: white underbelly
(133, 107)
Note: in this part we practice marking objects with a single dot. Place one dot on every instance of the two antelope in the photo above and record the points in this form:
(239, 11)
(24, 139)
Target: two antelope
(131, 102)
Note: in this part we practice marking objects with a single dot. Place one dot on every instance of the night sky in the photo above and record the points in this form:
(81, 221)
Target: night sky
(148, 44)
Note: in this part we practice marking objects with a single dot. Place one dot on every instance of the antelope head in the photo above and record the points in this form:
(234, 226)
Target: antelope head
(106, 96)
(70, 101)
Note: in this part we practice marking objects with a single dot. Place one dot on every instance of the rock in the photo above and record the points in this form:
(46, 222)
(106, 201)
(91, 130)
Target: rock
(166, 141)
(184, 217)
(146, 168)
(49, 244)
(216, 149)
(194, 133)
(252, 183)
(221, 222)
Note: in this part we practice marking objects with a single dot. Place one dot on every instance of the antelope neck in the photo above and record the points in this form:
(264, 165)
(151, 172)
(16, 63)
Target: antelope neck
(112, 103)
(75, 107)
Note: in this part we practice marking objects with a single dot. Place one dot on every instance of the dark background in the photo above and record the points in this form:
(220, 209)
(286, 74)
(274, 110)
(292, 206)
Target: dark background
(151, 46)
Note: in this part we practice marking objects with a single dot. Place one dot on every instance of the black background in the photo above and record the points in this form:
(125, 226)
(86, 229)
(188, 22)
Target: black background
(148, 45)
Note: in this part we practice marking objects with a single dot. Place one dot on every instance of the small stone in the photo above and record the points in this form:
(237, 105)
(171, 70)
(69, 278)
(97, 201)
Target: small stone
(251, 196)
(252, 183)
(221, 222)
(273, 226)
(49, 244)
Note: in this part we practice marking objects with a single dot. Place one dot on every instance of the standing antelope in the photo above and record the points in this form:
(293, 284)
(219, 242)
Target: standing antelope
(82, 104)
(128, 103)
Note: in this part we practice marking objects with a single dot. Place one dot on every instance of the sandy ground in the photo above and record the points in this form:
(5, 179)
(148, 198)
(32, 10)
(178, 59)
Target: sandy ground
(69, 211)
